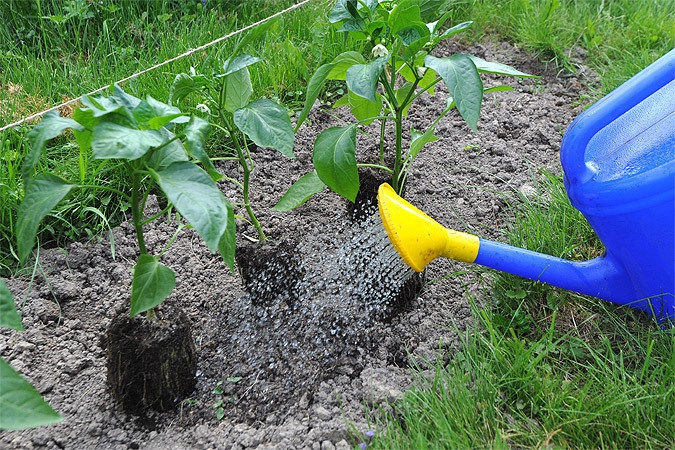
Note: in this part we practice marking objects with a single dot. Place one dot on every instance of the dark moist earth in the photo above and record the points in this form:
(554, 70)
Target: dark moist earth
(301, 359)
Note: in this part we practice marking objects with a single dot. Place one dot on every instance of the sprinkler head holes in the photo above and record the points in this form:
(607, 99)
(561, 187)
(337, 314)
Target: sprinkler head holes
(418, 238)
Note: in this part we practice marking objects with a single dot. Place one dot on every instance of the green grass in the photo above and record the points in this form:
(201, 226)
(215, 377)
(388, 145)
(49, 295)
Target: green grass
(48, 61)
(619, 37)
(608, 387)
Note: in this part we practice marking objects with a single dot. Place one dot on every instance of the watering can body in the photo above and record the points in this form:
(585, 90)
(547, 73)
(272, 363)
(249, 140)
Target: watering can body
(618, 159)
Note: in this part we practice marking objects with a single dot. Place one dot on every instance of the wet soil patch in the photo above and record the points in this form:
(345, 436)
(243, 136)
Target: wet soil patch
(306, 368)
(306, 323)
(270, 270)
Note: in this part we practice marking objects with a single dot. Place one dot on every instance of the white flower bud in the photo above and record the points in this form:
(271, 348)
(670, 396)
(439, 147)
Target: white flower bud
(380, 50)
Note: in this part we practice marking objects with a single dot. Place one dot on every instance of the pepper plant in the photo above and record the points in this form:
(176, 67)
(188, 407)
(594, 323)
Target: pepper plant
(226, 98)
(383, 81)
(143, 136)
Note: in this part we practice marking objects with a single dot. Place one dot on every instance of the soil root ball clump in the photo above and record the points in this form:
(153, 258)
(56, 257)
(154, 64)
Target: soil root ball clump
(151, 363)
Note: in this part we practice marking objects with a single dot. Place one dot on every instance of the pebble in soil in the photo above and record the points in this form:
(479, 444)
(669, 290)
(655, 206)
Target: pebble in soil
(310, 318)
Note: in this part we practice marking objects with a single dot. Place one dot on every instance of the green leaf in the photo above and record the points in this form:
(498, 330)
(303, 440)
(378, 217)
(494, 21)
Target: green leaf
(267, 124)
(344, 101)
(254, 34)
(415, 32)
(354, 25)
(86, 118)
(363, 109)
(498, 68)
(406, 12)
(415, 37)
(151, 285)
(238, 89)
(428, 74)
(362, 78)
(101, 106)
(401, 94)
(168, 154)
(154, 115)
(228, 241)
(500, 88)
(21, 405)
(195, 134)
(428, 79)
(43, 193)
(111, 140)
(334, 158)
(341, 12)
(452, 30)
(314, 88)
(197, 199)
(9, 317)
(184, 85)
(342, 62)
(49, 127)
(419, 140)
(376, 28)
(463, 81)
(127, 100)
(430, 9)
(301, 191)
(233, 65)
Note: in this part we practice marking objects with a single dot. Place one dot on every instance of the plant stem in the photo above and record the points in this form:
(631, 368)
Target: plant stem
(383, 125)
(376, 166)
(159, 214)
(244, 163)
(136, 209)
(398, 122)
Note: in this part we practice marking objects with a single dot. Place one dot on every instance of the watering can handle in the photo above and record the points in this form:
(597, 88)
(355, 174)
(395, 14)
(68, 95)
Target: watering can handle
(609, 108)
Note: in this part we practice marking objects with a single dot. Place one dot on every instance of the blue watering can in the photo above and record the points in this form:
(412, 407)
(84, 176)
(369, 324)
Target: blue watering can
(618, 159)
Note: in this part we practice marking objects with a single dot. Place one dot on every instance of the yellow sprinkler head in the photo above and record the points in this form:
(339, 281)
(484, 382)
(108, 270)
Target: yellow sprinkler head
(418, 238)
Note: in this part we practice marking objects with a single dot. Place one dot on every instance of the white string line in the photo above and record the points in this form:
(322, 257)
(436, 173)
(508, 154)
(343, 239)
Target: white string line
(175, 58)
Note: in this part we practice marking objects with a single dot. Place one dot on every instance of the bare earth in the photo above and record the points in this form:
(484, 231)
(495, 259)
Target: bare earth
(307, 373)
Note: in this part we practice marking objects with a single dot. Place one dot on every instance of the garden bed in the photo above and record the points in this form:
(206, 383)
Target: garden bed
(302, 368)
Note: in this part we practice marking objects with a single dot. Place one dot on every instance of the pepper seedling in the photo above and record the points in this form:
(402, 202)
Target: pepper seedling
(143, 137)
(392, 68)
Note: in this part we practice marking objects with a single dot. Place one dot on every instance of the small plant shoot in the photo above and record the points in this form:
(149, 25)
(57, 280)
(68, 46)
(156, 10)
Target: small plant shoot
(394, 68)
(144, 137)
(227, 99)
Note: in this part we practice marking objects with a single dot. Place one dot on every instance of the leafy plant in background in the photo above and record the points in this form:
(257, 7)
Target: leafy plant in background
(142, 136)
(226, 98)
(21, 405)
(398, 37)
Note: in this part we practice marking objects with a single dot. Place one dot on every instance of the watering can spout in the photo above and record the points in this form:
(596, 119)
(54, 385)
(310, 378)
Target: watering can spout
(419, 239)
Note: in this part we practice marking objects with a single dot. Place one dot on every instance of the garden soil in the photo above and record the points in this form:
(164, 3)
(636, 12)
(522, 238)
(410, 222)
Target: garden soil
(300, 358)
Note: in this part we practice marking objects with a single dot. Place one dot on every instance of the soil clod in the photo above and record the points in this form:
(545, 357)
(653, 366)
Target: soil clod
(151, 363)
